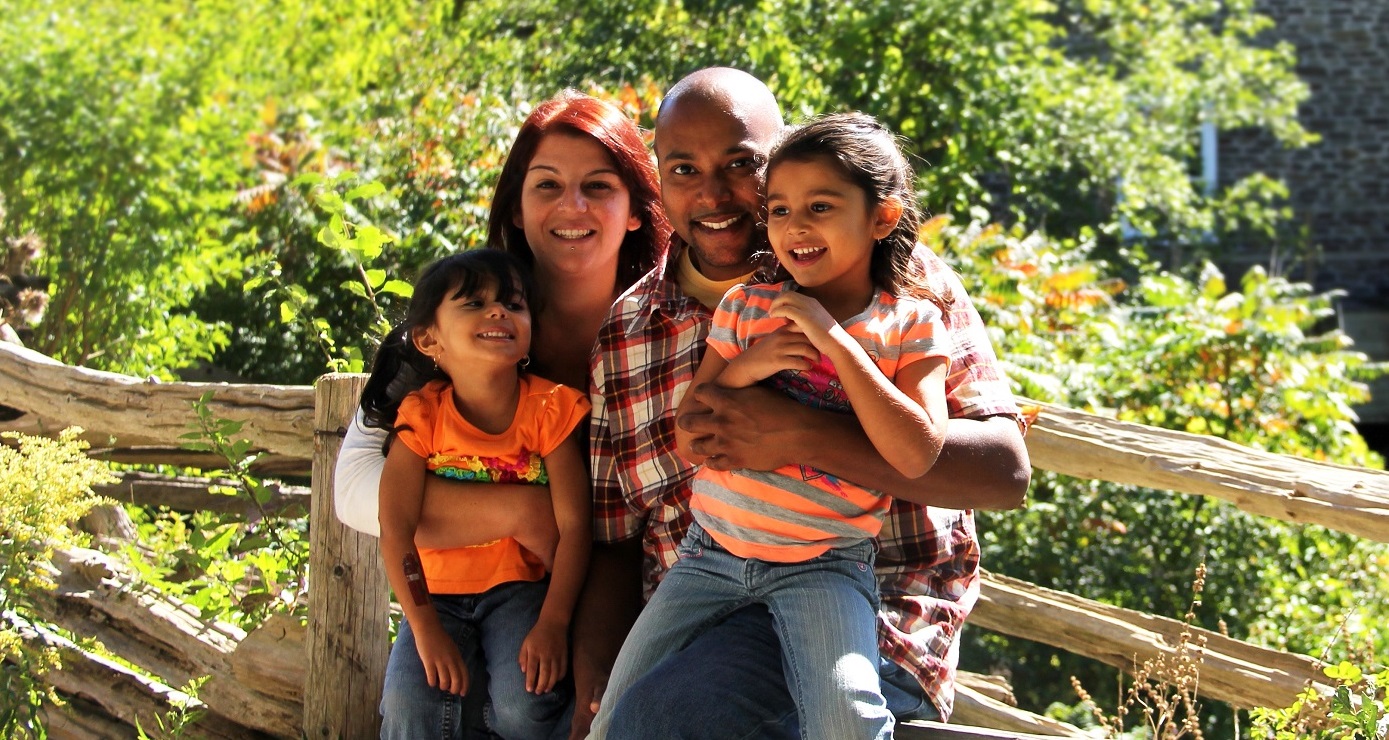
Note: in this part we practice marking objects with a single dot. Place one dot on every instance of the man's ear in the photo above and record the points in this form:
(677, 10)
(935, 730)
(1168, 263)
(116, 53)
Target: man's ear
(886, 216)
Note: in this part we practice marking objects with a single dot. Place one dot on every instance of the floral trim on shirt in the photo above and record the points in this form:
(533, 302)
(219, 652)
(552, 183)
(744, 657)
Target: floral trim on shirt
(527, 468)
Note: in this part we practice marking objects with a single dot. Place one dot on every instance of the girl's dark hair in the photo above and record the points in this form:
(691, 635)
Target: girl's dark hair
(868, 155)
(572, 112)
(400, 367)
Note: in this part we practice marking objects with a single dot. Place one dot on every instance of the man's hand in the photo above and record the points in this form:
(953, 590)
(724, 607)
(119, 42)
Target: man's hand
(544, 656)
(753, 428)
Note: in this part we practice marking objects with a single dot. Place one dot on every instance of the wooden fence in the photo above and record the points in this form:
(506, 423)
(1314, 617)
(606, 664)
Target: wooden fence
(281, 681)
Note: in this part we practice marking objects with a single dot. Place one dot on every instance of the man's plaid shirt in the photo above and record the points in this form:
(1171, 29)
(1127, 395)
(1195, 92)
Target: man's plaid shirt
(648, 352)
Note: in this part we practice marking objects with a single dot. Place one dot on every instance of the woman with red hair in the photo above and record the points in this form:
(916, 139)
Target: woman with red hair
(579, 203)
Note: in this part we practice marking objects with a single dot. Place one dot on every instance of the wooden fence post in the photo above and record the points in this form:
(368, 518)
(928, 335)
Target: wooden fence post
(348, 636)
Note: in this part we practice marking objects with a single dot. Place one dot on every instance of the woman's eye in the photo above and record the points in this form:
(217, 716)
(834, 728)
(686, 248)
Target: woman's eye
(546, 185)
(682, 169)
(599, 185)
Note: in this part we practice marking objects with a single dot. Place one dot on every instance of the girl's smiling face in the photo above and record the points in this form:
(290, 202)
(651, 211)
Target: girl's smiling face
(575, 209)
(475, 330)
(823, 227)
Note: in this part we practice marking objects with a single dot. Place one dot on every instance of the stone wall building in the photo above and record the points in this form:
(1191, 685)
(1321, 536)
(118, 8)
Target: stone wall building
(1338, 187)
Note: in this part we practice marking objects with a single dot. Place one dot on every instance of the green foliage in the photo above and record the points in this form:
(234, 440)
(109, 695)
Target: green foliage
(1182, 353)
(1354, 711)
(44, 485)
(229, 568)
(156, 145)
(358, 245)
(107, 155)
(182, 716)
(1069, 114)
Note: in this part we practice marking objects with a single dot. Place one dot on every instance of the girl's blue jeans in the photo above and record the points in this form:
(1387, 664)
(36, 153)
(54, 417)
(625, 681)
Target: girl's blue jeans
(488, 629)
(824, 621)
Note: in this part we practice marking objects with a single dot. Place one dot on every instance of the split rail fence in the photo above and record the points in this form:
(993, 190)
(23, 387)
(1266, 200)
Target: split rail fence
(322, 680)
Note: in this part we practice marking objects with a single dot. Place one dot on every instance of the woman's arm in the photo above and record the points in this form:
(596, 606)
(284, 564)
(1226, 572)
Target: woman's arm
(402, 490)
(545, 654)
(357, 477)
(607, 610)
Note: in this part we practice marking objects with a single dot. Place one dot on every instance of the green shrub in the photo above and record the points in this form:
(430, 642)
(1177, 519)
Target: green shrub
(44, 485)
(1176, 352)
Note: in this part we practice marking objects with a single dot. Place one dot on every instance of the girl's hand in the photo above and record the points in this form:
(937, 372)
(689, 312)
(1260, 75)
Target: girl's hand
(545, 656)
(786, 348)
(807, 315)
(443, 664)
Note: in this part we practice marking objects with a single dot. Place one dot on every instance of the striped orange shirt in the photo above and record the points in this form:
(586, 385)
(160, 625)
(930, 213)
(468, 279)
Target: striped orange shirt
(797, 512)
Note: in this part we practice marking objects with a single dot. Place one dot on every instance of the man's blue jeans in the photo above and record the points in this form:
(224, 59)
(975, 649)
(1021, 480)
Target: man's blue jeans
(822, 643)
(488, 629)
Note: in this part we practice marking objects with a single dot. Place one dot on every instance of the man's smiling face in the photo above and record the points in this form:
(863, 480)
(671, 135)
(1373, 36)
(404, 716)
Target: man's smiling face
(711, 157)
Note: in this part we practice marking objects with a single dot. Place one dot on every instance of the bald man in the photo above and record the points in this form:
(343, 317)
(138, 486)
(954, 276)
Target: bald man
(713, 133)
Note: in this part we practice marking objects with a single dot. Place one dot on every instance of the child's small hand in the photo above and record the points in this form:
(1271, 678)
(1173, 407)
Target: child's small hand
(545, 656)
(807, 315)
(443, 664)
(784, 349)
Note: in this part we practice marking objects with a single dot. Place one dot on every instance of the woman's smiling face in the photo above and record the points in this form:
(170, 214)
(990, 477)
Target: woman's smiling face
(575, 209)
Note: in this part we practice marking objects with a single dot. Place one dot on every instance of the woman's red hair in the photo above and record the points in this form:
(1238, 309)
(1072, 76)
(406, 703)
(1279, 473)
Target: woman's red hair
(574, 112)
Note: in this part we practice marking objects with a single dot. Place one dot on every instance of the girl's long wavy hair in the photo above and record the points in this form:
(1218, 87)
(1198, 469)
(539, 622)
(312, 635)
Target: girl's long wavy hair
(867, 154)
(399, 366)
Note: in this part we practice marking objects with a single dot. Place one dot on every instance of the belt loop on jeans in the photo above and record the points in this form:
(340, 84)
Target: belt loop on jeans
(701, 535)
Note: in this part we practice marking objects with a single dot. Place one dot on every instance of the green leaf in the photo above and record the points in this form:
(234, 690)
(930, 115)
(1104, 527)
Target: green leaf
(254, 542)
(329, 201)
(376, 277)
(370, 240)
(223, 539)
(1345, 672)
(367, 190)
(398, 287)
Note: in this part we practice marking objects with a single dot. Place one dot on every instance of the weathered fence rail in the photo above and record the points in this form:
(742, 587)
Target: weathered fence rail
(346, 644)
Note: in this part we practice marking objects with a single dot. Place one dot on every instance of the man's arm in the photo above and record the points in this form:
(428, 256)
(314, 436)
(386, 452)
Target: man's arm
(454, 514)
(983, 465)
